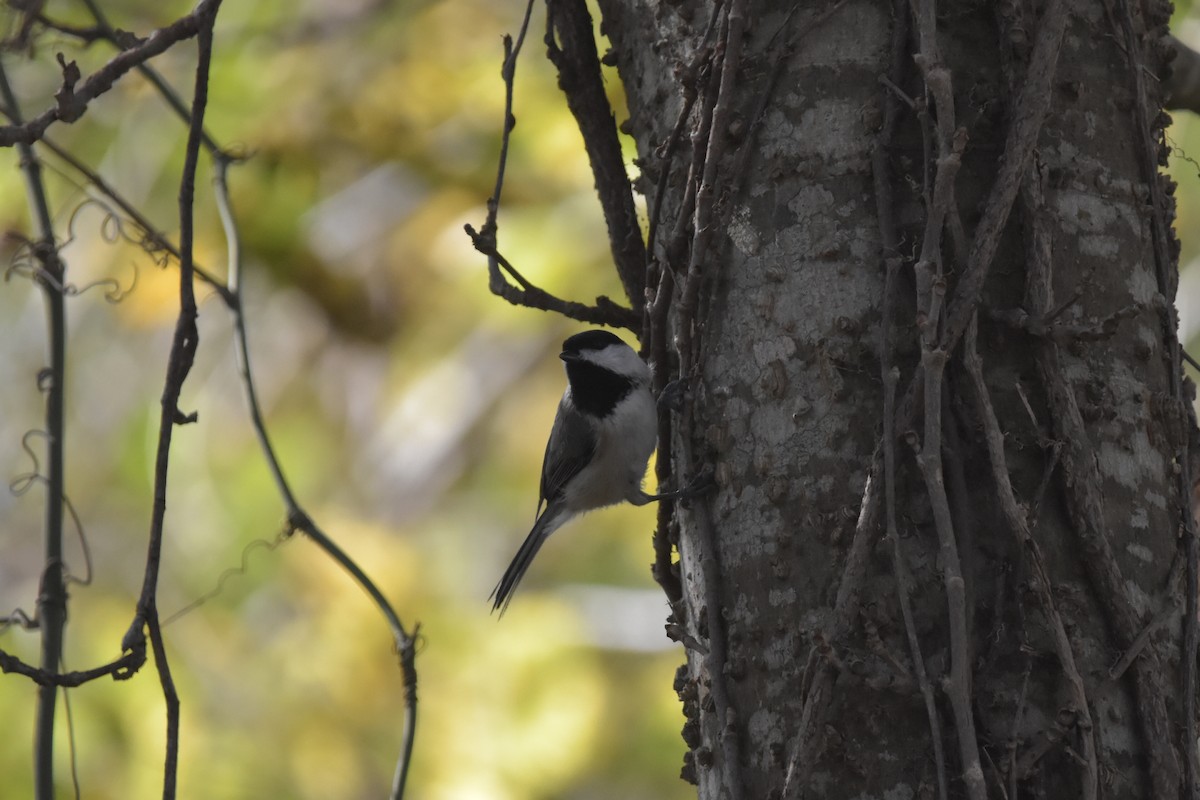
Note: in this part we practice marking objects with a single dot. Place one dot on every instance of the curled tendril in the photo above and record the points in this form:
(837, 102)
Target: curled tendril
(116, 227)
(154, 247)
(112, 231)
(113, 228)
(1179, 153)
(21, 270)
(114, 294)
(26, 265)
(19, 618)
(69, 576)
(232, 572)
(22, 483)
(23, 263)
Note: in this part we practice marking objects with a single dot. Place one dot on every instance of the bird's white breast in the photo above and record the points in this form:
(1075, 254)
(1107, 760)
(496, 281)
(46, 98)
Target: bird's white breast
(624, 442)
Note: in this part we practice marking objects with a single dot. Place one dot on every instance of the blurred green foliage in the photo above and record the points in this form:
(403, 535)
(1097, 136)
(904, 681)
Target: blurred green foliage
(410, 408)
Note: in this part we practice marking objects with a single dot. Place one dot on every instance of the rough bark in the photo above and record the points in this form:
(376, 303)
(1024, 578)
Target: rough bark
(1064, 508)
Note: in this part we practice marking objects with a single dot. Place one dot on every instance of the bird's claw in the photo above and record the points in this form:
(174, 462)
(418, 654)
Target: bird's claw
(701, 482)
(673, 395)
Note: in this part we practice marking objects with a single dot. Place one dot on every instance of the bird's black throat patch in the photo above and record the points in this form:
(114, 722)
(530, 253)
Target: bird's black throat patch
(596, 390)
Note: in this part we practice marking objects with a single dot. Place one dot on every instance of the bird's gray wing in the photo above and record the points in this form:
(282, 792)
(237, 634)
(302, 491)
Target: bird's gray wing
(571, 446)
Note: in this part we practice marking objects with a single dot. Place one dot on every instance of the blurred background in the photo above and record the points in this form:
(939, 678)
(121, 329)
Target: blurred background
(409, 406)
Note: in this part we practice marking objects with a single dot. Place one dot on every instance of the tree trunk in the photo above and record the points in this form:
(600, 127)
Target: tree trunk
(945, 593)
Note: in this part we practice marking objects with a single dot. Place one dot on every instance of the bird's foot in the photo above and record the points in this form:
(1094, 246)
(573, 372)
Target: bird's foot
(673, 395)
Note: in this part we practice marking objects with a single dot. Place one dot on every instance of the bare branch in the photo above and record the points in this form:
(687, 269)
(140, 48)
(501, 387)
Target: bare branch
(72, 105)
(729, 43)
(1029, 112)
(817, 685)
(904, 585)
(52, 595)
(729, 49)
(929, 459)
(121, 669)
(297, 518)
(605, 312)
(179, 364)
(1034, 565)
(571, 47)
(655, 332)
(1080, 481)
(121, 39)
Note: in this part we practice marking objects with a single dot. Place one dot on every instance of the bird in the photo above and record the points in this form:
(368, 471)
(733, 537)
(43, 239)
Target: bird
(604, 432)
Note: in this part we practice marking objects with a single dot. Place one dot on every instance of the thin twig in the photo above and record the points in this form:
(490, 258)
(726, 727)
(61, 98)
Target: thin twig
(817, 685)
(508, 72)
(929, 459)
(571, 47)
(881, 173)
(1034, 565)
(656, 335)
(1080, 479)
(1014, 739)
(949, 143)
(730, 43)
(110, 35)
(1189, 359)
(692, 75)
(526, 295)
(662, 272)
(656, 324)
(74, 98)
(179, 364)
(1030, 108)
(605, 312)
(72, 745)
(904, 585)
(52, 594)
(707, 191)
(120, 669)
(931, 289)
(1166, 271)
(86, 35)
(297, 518)
(170, 694)
(1139, 644)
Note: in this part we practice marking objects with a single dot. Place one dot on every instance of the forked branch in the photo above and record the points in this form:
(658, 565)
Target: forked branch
(522, 292)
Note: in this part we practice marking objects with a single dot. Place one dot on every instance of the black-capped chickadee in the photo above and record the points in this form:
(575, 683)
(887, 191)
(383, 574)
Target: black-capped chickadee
(603, 435)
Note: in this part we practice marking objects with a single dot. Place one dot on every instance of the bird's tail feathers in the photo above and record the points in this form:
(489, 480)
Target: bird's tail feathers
(546, 524)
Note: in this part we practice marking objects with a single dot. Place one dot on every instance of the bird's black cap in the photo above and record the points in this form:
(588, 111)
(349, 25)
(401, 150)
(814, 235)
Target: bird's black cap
(589, 340)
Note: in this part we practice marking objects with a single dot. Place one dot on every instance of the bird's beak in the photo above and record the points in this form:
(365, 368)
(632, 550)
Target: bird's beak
(568, 356)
